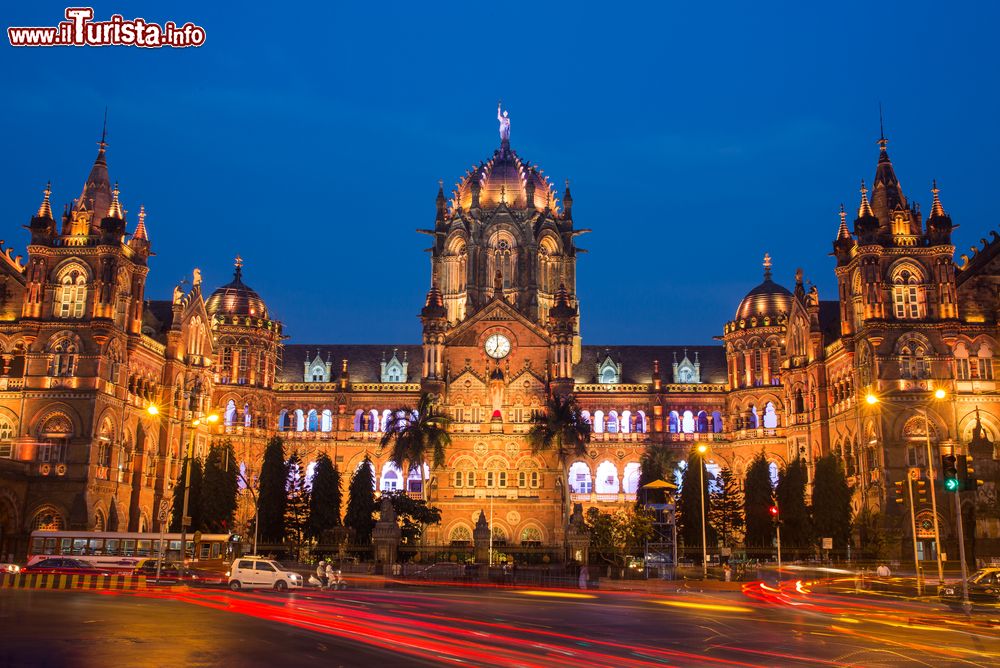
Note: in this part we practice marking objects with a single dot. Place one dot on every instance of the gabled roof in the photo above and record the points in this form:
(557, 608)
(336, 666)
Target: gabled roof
(637, 362)
(364, 361)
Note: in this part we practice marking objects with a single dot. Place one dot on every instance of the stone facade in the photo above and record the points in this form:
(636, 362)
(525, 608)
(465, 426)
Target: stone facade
(85, 355)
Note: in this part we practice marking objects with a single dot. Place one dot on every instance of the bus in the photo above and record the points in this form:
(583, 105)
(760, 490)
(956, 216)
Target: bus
(122, 551)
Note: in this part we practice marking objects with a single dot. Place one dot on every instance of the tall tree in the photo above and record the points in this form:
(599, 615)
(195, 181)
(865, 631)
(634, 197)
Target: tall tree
(413, 514)
(831, 502)
(726, 515)
(658, 462)
(560, 428)
(758, 496)
(360, 514)
(796, 529)
(194, 498)
(694, 486)
(297, 504)
(272, 495)
(615, 536)
(219, 489)
(325, 498)
(415, 436)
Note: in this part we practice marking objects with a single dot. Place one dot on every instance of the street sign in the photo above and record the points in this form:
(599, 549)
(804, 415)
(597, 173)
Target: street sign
(828, 543)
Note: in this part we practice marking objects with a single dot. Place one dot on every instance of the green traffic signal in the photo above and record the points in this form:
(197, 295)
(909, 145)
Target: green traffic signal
(949, 469)
(951, 484)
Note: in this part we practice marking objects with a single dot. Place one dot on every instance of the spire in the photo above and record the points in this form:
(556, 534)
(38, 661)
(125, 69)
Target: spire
(96, 193)
(238, 271)
(865, 209)
(887, 194)
(842, 232)
(115, 208)
(936, 209)
(440, 202)
(568, 202)
(45, 210)
(140, 229)
(767, 266)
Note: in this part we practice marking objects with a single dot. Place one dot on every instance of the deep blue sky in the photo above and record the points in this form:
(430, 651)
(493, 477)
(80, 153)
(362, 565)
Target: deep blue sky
(697, 136)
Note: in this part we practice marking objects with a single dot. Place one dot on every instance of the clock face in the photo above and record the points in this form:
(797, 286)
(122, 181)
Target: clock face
(497, 346)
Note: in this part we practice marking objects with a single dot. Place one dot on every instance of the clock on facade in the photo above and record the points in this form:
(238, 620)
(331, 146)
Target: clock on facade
(497, 346)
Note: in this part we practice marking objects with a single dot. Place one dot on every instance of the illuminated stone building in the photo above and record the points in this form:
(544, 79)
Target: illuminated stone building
(84, 354)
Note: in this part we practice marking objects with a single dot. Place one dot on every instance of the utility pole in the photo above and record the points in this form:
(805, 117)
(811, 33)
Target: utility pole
(961, 553)
(932, 480)
(913, 524)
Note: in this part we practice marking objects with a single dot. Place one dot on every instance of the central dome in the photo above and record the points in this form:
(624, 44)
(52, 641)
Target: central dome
(236, 298)
(767, 299)
(506, 179)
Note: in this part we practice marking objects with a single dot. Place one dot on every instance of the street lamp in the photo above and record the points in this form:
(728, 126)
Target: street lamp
(702, 449)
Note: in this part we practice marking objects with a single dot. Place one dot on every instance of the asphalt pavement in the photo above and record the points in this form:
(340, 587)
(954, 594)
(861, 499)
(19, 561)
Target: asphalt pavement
(436, 625)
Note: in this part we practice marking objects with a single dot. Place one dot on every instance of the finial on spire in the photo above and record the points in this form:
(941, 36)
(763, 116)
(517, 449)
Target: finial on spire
(767, 266)
(882, 141)
(115, 210)
(503, 194)
(104, 132)
(504, 118)
(865, 209)
(238, 272)
(936, 208)
(842, 232)
(140, 229)
(45, 210)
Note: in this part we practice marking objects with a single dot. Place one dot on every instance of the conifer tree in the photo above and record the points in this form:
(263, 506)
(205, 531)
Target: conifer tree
(758, 496)
(325, 499)
(219, 489)
(831, 502)
(297, 504)
(689, 513)
(272, 496)
(360, 514)
(796, 529)
(726, 515)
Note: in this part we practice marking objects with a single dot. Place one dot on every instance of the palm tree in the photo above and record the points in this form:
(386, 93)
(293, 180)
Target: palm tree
(560, 428)
(415, 435)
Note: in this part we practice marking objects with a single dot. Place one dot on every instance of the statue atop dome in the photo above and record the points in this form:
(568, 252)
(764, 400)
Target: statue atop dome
(504, 119)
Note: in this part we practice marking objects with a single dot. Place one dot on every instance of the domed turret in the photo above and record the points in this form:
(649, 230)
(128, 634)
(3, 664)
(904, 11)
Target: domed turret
(236, 298)
(767, 299)
(505, 179)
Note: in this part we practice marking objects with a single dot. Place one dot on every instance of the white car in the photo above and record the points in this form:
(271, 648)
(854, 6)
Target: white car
(256, 572)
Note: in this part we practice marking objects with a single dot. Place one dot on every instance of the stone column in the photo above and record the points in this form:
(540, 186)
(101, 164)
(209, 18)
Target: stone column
(577, 537)
(481, 539)
(386, 534)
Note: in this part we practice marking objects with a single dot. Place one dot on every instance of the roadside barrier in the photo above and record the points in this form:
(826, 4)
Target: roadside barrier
(49, 581)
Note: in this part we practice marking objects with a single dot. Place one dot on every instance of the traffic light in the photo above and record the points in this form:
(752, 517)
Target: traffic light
(967, 474)
(898, 485)
(774, 513)
(921, 490)
(949, 467)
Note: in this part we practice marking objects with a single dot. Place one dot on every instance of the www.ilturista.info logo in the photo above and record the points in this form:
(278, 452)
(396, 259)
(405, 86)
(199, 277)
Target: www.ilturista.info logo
(79, 29)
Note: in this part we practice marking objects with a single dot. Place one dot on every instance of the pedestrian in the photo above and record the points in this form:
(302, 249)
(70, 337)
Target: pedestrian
(584, 576)
(727, 572)
(883, 571)
(321, 574)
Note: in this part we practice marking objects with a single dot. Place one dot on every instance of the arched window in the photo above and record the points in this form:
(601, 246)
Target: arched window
(358, 419)
(326, 424)
(753, 418)
(607, 478)
(531, 536)
(585, 415)
(630, 477)
(984, 363)
(247, 418)
(611, 424)
(905, 295)
(770, 416)
(772, 469)
(300, 420)
(71, 295)
(640, 422)
(913, 362)
(702, 425)
(284, 421)
(580, 481)
(7, 433)
(48, 519)
(717, 422)
(626, 422)
(392, 478)
(687, 422)
(99, 520)
(229, 417)
(674, 422)
(62, 362)
(375, 422)
(461, 535)
(598, 422)
(312, 421)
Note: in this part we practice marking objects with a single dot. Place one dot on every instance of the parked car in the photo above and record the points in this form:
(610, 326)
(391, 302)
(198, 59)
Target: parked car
(13, 569)
(984, 587)
(443, 570)
(63, 566)
(260, 573)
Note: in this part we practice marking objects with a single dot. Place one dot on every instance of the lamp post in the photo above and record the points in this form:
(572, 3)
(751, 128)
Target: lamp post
(702, 449)
(185, 520)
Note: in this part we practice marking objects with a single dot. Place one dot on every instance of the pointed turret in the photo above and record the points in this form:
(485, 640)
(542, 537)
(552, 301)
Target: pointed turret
(43, 226)
(562, 308)
(140, 230)
(96, 194)
(568, 203)
(434, 305)
(844, 244)
(866, 224)
(939, 225)
(887, 194)
(113, 224)
(441, 203)
(115, 208)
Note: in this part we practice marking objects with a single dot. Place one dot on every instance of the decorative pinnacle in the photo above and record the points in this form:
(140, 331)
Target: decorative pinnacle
(767, 266)
(936, 208)
(865, 209)
(140, 229)
(842, 232)
(45, 210)
(238, 263)
(115, 210)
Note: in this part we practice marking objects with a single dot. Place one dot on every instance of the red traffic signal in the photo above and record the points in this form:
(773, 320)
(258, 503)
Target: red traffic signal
(773, 510)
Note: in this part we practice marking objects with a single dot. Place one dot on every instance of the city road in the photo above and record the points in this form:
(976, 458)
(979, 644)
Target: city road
(435, 625)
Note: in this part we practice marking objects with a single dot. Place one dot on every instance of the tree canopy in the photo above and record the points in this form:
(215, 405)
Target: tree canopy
(325, 499)
(360, 515)
(272, 495)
